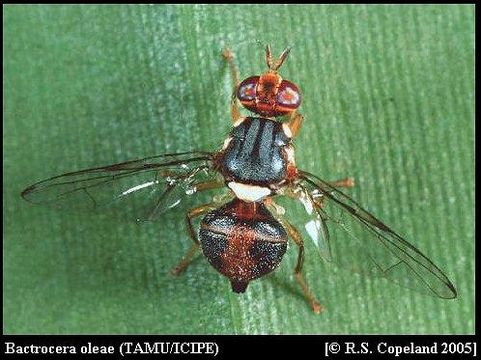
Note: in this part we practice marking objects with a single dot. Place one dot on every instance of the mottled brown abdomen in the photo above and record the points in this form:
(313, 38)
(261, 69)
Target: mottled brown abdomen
(243, 241)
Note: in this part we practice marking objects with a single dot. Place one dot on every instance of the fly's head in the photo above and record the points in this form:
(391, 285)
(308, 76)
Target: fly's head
(268, 94)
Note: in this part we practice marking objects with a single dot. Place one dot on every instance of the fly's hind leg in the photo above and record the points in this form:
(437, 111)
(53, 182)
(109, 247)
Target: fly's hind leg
(197, 211)
(296, 236)
(310, 297)
(234, 72)
(186, 260)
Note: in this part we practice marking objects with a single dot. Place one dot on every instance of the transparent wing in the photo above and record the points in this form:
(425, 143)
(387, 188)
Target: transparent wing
(151, 185)
(360, 241)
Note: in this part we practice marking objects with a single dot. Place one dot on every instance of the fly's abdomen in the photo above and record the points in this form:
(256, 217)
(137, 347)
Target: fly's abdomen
(256, 153)
(242, 241)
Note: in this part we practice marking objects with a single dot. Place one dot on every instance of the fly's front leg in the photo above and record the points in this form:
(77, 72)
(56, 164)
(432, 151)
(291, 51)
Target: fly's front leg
(234, 72)
(294, 123)
(229, 57)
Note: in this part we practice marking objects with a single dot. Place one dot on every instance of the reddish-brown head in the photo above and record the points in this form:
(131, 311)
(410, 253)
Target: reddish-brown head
(268, 94)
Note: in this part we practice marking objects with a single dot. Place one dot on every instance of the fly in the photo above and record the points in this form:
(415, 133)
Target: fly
(244, 234)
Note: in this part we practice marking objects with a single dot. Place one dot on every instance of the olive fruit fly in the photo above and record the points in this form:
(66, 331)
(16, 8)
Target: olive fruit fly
(244, 235)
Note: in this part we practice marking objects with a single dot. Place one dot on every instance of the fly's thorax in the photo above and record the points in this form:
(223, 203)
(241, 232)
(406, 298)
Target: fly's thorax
(257, 158)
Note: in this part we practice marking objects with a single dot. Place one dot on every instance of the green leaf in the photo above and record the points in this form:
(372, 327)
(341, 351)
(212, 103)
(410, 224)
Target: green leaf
(387, 99)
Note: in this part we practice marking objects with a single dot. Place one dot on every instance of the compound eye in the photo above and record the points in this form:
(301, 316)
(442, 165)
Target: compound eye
(247, 89)
(288, 95)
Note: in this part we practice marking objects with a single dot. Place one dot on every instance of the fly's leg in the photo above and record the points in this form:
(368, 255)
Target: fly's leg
(344, 183)
(296, 236)
(197, 211)
(294, 123)
(234, 72)
(209, 185)
(184, 263)
(176, 178)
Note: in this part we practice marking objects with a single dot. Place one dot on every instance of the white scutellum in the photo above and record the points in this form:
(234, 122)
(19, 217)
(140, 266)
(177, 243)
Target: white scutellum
(249, 192)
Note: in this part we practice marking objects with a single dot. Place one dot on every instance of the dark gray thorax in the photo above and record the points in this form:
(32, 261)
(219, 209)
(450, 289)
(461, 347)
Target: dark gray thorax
(256, 153)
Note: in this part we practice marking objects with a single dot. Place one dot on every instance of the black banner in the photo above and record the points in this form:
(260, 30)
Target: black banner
(231, 346)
